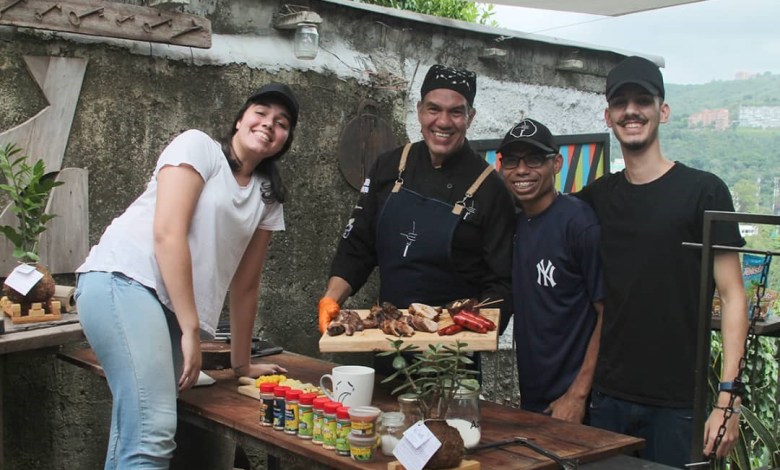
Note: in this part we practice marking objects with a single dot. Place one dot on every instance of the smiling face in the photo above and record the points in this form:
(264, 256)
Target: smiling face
(444, 116)
(533, 188)
(261, 132)
(634, 115)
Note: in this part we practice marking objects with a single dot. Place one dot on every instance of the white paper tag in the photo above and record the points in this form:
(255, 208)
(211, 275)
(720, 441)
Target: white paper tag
(23, 278)
(416, 447)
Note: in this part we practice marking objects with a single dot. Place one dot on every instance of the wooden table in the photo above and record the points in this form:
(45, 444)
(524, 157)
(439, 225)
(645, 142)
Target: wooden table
(220, 408)
(30, 336)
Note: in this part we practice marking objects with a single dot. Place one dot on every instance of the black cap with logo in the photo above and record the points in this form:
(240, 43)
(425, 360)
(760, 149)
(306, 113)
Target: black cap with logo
(530, 132)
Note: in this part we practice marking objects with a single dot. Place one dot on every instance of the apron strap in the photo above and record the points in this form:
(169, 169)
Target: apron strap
(401, 167)
(458, 207)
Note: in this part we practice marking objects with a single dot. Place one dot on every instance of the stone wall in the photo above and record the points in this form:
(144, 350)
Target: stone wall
(137, 96)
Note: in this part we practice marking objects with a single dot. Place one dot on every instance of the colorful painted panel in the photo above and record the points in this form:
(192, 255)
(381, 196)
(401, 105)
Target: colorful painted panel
(585, 158)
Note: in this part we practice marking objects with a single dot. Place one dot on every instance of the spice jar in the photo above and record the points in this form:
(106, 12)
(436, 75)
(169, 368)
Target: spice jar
(279, 393)
(410, 408)
(391, 429)
(463, 413)
(291, 411)
(362, 448)
(267, 406)
(306, 415)
(343, 428)
(364, 420)
(318, 410)
(329, 425)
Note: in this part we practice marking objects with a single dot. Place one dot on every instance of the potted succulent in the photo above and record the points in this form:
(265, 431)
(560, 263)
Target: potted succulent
(438, 376)
(28, 189)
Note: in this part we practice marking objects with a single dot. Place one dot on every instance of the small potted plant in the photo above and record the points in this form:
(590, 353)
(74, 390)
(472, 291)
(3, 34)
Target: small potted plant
(438, 376)
(28, 189)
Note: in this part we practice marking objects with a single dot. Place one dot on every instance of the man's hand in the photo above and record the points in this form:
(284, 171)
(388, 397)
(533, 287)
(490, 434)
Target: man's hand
(711, 428)
(329, 309)
(567, 408)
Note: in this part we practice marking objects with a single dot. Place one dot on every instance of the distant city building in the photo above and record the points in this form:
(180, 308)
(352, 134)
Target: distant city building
(748, 230)
(763, 117)
(744, 75)
(710, 118)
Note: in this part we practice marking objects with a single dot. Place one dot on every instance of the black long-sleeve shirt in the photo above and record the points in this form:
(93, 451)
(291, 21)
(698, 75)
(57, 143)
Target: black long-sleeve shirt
(482, 243)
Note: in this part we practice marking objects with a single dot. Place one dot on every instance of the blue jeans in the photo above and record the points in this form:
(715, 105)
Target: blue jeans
(138, 344)
(667, 431)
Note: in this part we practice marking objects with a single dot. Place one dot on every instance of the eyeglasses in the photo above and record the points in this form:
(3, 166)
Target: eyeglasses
(534, 160)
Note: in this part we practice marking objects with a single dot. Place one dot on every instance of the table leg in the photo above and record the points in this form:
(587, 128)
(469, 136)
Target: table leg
(273, 462)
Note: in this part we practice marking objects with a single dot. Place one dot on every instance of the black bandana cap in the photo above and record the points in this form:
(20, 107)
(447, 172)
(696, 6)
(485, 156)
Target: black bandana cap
(460, 80)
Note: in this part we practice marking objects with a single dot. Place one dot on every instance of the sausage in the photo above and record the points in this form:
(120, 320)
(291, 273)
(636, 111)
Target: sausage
(450, 330)
(484, 320)
(469, 322)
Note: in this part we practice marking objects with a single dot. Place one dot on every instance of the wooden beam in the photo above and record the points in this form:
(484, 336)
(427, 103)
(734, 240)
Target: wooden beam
(108, 19)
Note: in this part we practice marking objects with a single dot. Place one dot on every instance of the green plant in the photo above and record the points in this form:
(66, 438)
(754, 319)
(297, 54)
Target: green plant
(28, 189)
(434, 374)
(463, 10)
(758, 444)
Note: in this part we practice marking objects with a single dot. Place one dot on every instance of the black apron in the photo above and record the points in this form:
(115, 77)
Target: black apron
(414, 246)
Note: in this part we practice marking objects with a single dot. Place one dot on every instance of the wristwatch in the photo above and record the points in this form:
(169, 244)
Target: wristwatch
(734, 388)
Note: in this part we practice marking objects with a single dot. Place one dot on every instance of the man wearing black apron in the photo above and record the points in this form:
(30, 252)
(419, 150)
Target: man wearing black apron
(433, 215)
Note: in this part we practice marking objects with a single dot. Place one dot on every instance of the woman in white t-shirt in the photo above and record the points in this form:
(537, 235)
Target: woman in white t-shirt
(155, 283)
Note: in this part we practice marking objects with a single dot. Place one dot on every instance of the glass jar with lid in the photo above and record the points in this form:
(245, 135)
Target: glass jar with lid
(463, 413)
(409, 407)
(391, 430)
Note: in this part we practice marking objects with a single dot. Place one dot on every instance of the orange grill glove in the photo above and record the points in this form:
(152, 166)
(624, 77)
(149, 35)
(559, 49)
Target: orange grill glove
(329, 309)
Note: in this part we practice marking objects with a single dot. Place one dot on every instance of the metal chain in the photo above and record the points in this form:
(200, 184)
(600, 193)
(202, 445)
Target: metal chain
(728, 411)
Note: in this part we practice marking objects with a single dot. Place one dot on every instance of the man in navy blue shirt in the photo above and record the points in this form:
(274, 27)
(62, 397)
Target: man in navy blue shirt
(556, 278)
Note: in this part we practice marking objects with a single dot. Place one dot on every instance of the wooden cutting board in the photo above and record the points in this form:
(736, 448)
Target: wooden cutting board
(375, 340)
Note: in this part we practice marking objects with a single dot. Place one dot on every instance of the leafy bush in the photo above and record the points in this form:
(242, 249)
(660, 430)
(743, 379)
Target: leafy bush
(28, 188)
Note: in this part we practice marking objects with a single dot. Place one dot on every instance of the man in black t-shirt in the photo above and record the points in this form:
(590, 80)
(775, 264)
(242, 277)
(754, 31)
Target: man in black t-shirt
(644, 382)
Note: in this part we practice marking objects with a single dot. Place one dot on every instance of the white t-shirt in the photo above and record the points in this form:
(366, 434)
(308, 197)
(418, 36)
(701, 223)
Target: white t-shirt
(225, 218)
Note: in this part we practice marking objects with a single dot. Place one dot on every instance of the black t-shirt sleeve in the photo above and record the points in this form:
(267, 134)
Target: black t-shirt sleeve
(718, 198)
(497, 250)
(355, 256)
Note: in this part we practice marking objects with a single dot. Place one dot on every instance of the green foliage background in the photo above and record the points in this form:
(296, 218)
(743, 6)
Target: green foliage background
(454, 9)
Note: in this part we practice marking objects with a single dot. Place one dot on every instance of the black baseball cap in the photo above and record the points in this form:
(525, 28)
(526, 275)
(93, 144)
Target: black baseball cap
(281, 92)
(636, 70)
(530, 132)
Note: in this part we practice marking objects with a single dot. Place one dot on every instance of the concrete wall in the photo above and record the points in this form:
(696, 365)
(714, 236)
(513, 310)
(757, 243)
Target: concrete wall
(137, 96)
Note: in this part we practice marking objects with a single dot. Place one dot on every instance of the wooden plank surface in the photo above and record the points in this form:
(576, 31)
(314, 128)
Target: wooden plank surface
(45, 137)
(19, 338)
(222, 409)
(65, 243)
(111, 19)
(375, 340)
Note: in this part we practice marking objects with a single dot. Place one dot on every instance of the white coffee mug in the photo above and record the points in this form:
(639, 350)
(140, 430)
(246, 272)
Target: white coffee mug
(351, 385)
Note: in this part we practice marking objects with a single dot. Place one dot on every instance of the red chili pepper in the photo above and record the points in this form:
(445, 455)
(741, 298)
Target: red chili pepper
(469, 322)
(485, 321)
(450, 330)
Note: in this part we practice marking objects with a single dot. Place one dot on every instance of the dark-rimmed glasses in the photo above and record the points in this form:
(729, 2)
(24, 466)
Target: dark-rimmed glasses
(534, 160)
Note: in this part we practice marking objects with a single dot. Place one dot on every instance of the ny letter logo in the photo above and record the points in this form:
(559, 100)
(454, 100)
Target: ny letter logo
(544, 274)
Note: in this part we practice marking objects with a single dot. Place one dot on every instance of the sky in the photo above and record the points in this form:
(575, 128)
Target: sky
(700, 42)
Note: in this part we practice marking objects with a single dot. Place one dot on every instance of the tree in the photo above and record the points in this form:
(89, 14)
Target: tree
(463, 10)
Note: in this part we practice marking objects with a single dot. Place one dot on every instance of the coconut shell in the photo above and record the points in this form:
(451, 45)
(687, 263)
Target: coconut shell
(450, 453)
(41, 292)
